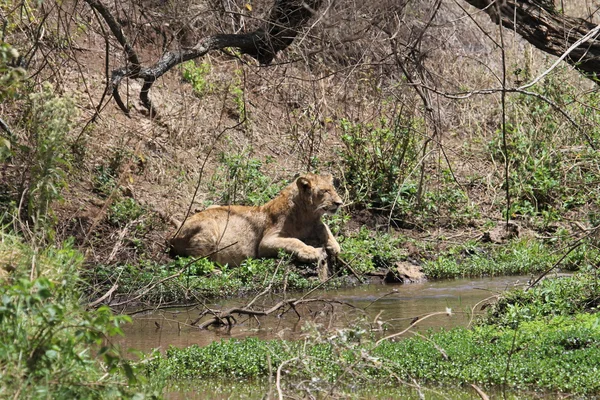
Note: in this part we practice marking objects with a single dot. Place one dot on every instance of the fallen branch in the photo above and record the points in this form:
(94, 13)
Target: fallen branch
(226, 317)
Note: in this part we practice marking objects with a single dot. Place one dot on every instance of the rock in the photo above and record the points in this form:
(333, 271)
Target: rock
(404, 272)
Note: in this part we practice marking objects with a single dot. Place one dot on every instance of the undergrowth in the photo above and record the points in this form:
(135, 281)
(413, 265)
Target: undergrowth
(202, 279)
(50, 346)
(517, 257)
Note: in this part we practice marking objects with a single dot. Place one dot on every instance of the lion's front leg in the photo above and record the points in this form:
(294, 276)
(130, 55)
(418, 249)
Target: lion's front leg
(332, 246)
(270, 246)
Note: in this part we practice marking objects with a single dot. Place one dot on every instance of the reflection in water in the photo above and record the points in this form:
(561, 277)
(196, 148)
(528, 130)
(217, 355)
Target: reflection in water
(389, 306)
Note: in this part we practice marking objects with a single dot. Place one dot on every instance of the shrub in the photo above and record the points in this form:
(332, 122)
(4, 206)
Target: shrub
(50, 347)
(51, 118)
(378, 159)
(239, 179)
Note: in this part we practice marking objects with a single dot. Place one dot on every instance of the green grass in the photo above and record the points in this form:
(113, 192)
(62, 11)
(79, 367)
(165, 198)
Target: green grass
(519, 257)
(557, 354)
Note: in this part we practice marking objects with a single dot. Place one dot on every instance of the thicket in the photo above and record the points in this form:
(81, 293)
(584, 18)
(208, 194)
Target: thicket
(50, 345)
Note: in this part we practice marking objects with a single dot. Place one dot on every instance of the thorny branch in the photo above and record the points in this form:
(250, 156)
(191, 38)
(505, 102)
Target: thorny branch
(278, 32)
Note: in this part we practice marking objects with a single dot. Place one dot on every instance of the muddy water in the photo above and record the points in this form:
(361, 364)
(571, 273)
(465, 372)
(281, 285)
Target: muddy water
(392, 307)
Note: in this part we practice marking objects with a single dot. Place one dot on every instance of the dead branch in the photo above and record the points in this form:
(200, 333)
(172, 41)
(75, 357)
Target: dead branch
(220, 317)
(279, 30)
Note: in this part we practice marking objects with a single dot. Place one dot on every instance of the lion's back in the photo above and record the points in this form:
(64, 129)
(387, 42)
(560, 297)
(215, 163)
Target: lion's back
(227, 234)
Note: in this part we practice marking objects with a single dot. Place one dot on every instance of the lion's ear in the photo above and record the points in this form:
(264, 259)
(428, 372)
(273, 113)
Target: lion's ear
(328, 177)
(303, 183)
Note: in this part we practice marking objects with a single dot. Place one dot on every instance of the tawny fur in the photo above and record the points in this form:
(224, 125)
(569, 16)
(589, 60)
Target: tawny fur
(290, 222)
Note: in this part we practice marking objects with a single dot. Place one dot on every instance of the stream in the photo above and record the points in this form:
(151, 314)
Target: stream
(389, 306)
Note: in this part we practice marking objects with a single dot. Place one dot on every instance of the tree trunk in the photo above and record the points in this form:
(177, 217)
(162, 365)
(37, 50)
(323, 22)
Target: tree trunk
(542, 25)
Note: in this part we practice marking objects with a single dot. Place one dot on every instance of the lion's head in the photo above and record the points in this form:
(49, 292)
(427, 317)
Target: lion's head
(318, 191)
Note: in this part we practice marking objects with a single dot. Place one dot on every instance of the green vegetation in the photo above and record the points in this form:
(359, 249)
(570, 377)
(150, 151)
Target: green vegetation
(50, 346)
(378, 162)
(367, 252)
(196, 75)
(552, 164)
(544, 351)
(240, 179)
(51, 117)
(201, 279)
(522, 256)
(10, 76)
(550, 298)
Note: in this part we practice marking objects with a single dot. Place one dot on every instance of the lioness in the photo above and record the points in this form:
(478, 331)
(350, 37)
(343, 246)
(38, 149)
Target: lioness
(290, 222)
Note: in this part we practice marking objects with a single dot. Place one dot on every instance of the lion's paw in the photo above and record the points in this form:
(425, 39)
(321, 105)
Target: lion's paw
(333, 249)
(311, 254)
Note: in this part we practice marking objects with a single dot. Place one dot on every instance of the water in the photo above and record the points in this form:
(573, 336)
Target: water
(387, 308)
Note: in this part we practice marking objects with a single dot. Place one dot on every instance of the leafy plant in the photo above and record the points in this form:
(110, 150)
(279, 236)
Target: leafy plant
(551, 162)
(367, 252)
(125, 210)
(240, 180)
(378, 159)
(10, 75)
(50, 347)
(196, 75)
(51, 118)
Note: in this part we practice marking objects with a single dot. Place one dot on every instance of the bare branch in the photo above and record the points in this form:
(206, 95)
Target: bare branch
(285, 20)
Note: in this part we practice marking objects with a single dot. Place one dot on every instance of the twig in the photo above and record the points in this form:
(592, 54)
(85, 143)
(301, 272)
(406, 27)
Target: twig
(107, 294)
(556, 264)
(410, 326)
(278, 380)
(480, 392)
(347, 265)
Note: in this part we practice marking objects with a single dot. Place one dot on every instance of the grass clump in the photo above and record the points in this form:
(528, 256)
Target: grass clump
(523, 256)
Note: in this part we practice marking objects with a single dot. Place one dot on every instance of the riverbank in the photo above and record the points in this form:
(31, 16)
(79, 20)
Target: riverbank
(366, 256)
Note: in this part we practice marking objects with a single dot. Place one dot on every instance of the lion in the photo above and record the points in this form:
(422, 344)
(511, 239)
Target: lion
(290, 222)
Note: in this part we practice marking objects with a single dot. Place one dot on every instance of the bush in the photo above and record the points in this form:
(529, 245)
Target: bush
(378, 159)
(51, 118)
(50, 347)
